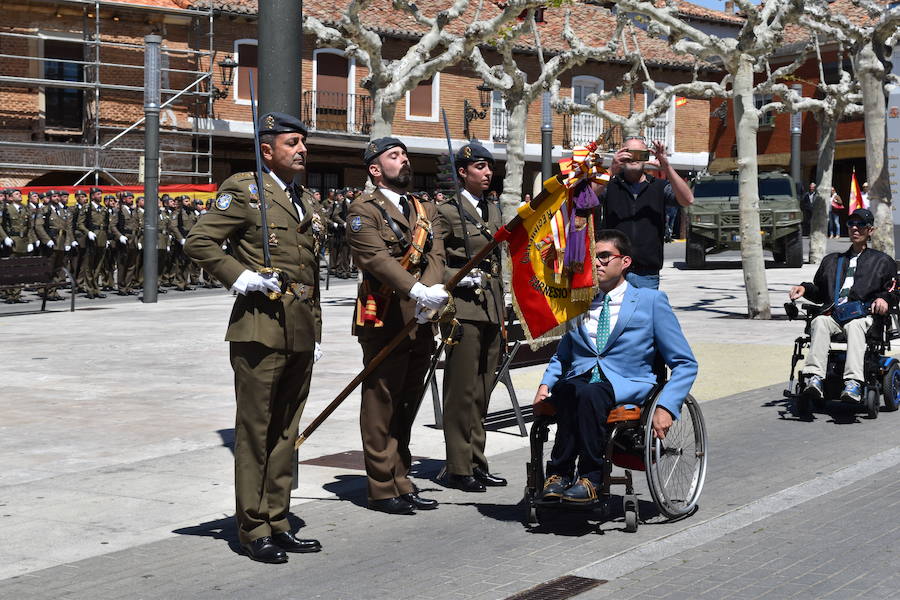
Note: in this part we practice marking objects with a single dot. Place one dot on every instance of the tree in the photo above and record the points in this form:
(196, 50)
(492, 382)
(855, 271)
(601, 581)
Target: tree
(740, 57)
(438, 47)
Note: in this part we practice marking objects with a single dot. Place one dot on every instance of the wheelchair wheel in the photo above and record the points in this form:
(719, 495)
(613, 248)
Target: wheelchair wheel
(676, 466)
(891, 388)
(871, 403)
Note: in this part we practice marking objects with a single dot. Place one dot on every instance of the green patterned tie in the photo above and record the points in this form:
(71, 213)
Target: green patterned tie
(602, 336)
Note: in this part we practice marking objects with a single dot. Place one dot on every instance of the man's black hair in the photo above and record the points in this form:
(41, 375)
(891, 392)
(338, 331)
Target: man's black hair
(619, 239)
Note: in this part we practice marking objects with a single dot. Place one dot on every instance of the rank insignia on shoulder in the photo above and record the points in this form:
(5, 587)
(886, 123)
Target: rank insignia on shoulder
(356, 224)
(317, 226)
(223, 201)
(253, 189)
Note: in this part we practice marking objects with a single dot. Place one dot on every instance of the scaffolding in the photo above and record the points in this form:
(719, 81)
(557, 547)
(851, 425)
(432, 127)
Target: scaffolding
(97, 140)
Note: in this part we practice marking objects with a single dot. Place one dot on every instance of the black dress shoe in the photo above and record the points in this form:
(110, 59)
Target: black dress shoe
(100, 295)
(581, 492)
(121, 293)
(263, 550)
(466, 483)
(419, 502)
(162, 291)
(290, 543)
(487, 479)
(392, 506)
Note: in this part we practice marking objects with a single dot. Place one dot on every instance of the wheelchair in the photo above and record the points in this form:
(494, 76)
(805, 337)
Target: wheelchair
(882, 373)
(675, 467)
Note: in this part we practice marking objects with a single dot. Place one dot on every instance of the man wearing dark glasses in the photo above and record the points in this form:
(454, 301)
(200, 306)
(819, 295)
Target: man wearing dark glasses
(854, 285)
(635, 204)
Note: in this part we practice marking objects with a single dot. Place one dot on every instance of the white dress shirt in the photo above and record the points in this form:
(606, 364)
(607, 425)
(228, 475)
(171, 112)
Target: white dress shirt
(283, 186)
(394, 197)
(590, 318)
(473, 202)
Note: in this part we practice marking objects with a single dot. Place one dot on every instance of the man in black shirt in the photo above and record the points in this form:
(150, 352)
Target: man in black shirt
(635, 204)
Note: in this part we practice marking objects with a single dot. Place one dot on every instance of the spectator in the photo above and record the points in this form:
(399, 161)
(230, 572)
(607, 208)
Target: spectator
(806, 206)
(834, 215)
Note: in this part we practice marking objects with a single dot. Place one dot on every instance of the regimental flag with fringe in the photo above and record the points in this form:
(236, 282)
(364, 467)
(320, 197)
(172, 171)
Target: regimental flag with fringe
(856, 199)
(552, 252)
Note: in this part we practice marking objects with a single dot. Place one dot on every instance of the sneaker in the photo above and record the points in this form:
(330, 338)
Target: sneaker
(852, 392)
(814, 390)
(554, 487)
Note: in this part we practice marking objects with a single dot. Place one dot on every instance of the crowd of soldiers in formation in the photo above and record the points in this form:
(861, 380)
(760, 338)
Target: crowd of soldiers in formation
(99, 240)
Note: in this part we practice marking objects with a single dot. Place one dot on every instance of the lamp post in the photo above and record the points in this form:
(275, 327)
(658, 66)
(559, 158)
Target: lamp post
(546, 138)
(227, 66)
(796, 130)
(470, 113)
(151, 165)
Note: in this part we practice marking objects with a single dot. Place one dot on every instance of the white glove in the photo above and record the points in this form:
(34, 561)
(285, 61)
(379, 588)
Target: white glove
(433, 297)
(471, 280)
(123, 240)
(107, 244)
(423, 315)
(29, 248)
(224, 246)
(183, 241)
(140, 246)
(74, 244)
(8, 242)
(92, 236)
(317, 353)
(67, 248)
(251, 281)
(50, 244)
(37, 243)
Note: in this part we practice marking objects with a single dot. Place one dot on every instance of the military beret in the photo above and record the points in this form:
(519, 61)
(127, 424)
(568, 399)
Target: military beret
(80, 193)
(276, 122)
(45, 194)
(166, 197)
(376, 148)
(473, 152)
(109, 197)
(95, 190)
(128, 194)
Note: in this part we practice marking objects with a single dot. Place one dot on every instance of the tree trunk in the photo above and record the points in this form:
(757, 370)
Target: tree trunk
(818, 228)
(746, 118)
(515, 156)
(382, 115)
(870, 71)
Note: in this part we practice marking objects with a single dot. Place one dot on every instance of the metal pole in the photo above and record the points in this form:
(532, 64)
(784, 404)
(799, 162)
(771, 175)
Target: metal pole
(280, 35)
(796, 130)
(546, 138)
(151, 166)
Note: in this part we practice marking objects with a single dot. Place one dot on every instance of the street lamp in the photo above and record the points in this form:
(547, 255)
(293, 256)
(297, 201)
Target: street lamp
(470, 113)
(227, 65)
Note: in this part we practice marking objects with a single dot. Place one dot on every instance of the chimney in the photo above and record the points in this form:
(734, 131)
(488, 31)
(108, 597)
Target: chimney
(729, 7)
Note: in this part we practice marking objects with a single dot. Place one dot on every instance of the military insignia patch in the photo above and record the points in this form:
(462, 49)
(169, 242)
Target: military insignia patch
(223, 201)
(356, 224)
(253, 189)
(373, 147)
(270, 122)
(467, 151)
(273, 241)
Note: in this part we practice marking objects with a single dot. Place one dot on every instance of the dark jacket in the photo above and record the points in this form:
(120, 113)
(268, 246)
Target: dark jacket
(874, 278)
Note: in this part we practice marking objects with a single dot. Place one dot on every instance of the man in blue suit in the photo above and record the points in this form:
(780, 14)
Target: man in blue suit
(607, 359)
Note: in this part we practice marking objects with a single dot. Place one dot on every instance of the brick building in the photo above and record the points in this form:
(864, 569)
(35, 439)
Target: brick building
(56, 135)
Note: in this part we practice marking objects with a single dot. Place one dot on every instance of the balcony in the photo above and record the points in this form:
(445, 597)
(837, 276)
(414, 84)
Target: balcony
(580, 129)
(337, 112)
(499, 124)
(659, 130)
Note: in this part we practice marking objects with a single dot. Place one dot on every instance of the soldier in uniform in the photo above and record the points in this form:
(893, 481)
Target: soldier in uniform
(163, 243)
(54, 230)
(182, 222)
(34, 206)
(79, 244)
(471, 363)
(397, 243)
(337, 215)
(274, 343)
(105, 278)
(93, 226)
(16, 230)
(122, 227)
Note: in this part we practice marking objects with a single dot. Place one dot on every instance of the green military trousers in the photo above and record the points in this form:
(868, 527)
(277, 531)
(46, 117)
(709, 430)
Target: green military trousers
(271, 387)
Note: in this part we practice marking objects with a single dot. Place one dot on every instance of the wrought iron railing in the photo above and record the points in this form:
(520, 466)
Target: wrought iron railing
(337, 112)
(580, 129)
(499, 124)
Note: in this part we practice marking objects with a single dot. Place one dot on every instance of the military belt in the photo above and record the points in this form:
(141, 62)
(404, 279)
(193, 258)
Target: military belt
(300, 291)
(13, 232)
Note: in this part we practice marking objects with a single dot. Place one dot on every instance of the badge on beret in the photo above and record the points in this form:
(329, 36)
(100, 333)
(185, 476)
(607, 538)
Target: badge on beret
(223, 201)
(356, 224)
(373, 147)
(253, 189)
(269, 122)
(467, 152)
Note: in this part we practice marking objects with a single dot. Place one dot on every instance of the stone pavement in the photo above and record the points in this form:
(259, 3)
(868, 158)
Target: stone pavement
(117, 420)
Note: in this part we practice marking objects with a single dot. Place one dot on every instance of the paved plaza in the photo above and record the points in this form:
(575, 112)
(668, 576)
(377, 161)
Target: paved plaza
(117, 420)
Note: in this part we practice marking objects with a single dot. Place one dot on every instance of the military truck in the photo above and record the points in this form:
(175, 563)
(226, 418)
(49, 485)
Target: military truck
(714, 223)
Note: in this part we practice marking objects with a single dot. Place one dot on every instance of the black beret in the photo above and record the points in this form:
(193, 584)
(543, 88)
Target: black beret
(473, 152)
(129, 194)
(376, 148)
(276, 122)
(863, 214)
(94, 190)
(80, 193)
(165, 197)
(44, 194)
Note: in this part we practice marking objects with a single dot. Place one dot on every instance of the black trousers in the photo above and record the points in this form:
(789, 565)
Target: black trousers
(582, 432)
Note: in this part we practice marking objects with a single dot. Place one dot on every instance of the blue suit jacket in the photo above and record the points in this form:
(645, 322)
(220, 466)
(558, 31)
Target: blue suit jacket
(646, 324)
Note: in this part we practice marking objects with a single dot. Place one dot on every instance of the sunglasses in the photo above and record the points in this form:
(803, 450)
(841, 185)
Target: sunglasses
(858, 224)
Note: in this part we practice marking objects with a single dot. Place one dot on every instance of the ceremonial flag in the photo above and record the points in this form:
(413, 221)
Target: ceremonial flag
(856, 199)
(552, 252)
(680, 101)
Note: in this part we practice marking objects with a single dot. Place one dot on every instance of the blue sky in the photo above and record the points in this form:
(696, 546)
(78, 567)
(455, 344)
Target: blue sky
(715, 4)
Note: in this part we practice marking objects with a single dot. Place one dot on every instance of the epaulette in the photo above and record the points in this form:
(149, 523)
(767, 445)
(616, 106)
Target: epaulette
(245, 175)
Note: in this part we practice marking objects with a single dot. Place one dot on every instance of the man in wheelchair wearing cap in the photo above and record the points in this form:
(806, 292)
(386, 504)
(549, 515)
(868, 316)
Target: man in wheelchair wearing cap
(853, 286)
(605, 360)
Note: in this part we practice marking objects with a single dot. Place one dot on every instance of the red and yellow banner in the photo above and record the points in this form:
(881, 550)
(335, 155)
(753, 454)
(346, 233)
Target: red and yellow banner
(544, 295)
(856, 199)
(202, 191)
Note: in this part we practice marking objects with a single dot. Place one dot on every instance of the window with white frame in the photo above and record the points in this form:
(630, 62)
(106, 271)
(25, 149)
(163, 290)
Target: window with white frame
(499, 118)
(585, 126)
(245, 52)
(766, 119)
(422, 102)
(663, 127)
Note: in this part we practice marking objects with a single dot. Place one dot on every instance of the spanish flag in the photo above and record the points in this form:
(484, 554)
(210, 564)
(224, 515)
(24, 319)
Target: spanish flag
(856, 199)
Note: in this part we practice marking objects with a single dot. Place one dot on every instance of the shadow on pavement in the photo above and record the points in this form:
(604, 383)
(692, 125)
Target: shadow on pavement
(227, 436)
(840, 414)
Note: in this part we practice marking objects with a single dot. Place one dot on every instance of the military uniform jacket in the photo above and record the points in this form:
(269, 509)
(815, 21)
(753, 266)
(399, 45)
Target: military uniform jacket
(185, 219)
(291, 323)
(377, 252)
(17, 225)
(124, 223)
(489, 305)
(54, 225)
(93, 218)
